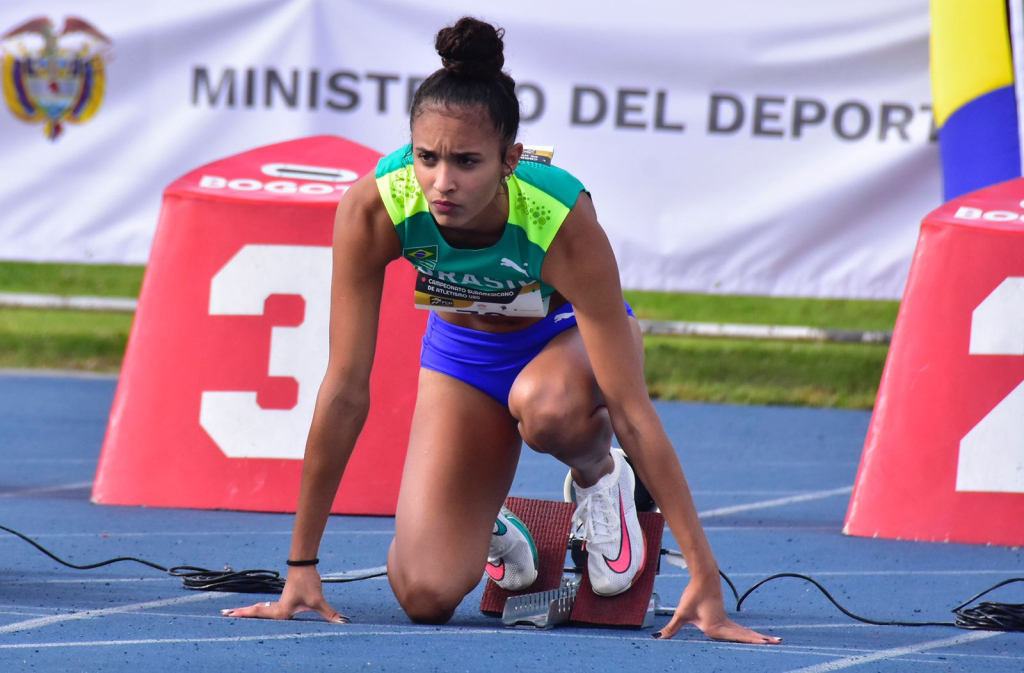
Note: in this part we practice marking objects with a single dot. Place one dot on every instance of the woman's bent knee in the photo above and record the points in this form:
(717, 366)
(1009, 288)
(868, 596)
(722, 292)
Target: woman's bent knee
(427, 598)
(427, 603)
(550, 430)
(550, 416)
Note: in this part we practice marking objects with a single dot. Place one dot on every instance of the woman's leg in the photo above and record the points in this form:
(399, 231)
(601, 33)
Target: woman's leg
(560, 409)
(463, 452)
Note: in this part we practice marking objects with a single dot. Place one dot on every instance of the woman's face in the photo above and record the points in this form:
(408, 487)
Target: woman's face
(460, 168)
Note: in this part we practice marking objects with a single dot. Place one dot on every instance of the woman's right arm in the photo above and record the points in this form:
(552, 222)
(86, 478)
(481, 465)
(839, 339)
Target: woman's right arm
(364, 243)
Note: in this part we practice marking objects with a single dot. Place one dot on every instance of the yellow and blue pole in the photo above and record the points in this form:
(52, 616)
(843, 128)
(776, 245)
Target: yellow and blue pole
(975, 101)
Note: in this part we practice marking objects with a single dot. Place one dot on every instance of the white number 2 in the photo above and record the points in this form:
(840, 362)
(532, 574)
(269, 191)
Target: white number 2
(235, 422)
(992, 453)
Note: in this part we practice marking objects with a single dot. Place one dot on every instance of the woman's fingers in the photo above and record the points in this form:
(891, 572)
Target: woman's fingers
(670, 629)
(727, 630)
(264, 610)
(715, 625)
(734, 633)
(330, 614)
(277, 610)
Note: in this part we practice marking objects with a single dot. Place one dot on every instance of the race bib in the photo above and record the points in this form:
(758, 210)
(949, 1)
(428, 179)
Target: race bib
(435, 294)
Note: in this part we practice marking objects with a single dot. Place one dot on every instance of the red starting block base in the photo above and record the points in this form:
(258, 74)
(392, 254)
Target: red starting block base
(549, 523)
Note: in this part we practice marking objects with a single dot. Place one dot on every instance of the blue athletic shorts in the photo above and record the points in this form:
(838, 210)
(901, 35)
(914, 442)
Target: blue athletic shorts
(490, 361)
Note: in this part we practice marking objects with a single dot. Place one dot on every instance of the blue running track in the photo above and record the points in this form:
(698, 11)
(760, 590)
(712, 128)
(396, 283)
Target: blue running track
(772, 485)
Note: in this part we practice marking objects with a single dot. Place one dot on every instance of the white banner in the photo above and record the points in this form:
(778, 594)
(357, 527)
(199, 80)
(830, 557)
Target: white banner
(763, 148)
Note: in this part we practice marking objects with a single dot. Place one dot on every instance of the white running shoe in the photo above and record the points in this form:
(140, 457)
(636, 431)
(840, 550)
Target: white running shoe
(512, 559)
(614, 542)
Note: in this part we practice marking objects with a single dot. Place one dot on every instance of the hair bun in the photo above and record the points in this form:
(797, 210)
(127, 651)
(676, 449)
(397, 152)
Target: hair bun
(471, 48)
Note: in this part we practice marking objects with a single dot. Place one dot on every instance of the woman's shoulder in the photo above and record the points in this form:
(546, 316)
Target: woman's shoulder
(363, 222)
(398, 190)
(554, 181)
(398, 160)
(363, 199)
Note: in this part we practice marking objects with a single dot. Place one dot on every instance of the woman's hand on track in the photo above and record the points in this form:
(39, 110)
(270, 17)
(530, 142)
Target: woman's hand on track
(303, 592)
(702, 605)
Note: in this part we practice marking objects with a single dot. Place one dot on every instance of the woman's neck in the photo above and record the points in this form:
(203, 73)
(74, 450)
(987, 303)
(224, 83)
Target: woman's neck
(485, 229)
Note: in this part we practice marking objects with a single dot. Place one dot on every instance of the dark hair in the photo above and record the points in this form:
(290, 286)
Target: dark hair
(472, 55)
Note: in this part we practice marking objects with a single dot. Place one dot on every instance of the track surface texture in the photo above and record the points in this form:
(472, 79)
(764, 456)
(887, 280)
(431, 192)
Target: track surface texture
(772, 486)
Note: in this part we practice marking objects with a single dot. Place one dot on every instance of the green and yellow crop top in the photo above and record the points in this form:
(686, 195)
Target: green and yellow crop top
(503, 279)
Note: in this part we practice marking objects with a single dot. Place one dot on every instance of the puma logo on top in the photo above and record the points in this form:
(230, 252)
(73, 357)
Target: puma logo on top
(505, 261)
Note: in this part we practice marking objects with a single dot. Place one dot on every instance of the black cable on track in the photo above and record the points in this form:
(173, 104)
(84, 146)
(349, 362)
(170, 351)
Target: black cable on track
(196, 579)
(985, 616)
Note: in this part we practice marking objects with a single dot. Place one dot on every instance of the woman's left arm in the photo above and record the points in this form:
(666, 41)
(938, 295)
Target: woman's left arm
(580, 264)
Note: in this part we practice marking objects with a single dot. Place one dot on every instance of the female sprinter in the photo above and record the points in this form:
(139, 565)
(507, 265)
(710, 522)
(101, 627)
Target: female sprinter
(547, 354)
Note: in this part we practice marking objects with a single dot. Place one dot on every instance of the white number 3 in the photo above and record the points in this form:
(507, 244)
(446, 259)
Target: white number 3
(235, 422)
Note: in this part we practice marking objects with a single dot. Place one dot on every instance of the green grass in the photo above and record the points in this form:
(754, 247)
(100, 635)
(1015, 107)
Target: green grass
(90, 341)
(677, 368)
(99, 280)
(850, 314)
(740, 371)
(108, 280)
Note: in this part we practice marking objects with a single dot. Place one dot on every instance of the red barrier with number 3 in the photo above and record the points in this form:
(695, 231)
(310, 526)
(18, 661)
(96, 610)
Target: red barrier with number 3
(229, 343)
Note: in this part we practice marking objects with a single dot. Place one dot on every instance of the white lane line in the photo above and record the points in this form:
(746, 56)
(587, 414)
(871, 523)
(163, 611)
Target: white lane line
(91, 614)
(351, 632)
(205, 615)
(464, 631)
(355, 573)
(338, 575)
(866, 573)
(755, 626)
(548, 495)
(783, 627)
(451, 632)
(356, 533)
(895, 652)
(761, 492)
(235, 639)
(40, 490)
(390, 531)
(191, 533)
(700, 463)
(795, 529)
(109, 580)
(399, 631)
(967, 655)
(777, 502)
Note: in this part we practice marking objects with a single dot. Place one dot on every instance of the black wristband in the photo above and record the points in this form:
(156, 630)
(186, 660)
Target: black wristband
(308, 562)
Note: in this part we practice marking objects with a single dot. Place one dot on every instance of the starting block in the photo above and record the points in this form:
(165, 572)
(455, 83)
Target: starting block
(551, 600)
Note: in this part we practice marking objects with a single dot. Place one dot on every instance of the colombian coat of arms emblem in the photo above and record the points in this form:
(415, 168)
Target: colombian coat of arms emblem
(52, 77)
